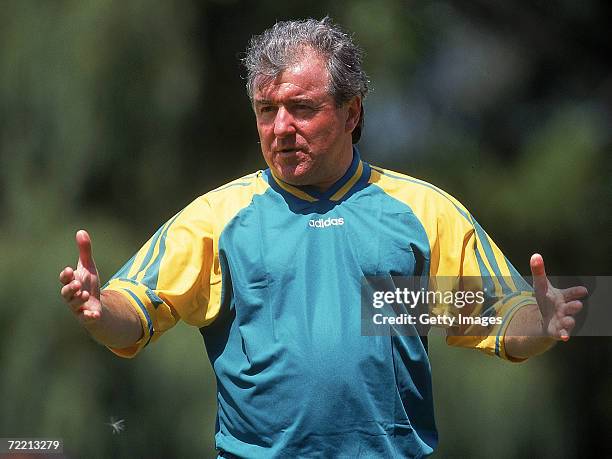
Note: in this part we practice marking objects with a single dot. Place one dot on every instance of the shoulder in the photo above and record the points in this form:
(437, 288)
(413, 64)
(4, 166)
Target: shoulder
(236, 190)
(421, 196)
(224, 202)
(246, 181)
(238, 193)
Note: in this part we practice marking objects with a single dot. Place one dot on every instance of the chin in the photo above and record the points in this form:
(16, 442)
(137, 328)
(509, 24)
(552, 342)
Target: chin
(293, 176)
(292, 179)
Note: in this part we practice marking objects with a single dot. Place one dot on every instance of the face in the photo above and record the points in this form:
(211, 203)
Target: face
(305, 138)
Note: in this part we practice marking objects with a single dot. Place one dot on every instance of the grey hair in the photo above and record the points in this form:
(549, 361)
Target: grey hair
(282, 45)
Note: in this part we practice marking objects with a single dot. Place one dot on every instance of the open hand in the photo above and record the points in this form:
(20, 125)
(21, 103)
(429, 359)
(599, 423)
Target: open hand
(81, 287)
(557, 306)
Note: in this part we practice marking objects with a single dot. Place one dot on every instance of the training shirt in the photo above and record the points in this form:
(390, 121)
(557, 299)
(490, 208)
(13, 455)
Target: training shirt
(272, 273)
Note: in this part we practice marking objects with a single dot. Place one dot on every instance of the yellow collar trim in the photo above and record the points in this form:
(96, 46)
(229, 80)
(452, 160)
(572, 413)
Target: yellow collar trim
(293, 190)
(335, 197)
(349, 184)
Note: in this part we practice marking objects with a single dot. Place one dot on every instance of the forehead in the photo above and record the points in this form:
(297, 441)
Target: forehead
(306, 77)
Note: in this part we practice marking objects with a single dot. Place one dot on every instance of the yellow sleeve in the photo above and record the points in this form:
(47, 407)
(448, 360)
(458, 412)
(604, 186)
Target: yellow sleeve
(462, 258)
(473, 262)
(175, 275)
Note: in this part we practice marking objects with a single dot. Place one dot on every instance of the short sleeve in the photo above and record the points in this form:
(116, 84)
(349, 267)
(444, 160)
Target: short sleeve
(469, 259)
(174, 276)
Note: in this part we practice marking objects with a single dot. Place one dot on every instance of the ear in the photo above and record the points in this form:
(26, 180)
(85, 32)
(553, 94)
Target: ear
(353, 113)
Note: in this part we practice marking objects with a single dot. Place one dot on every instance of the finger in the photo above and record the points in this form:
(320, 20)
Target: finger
(69, 291)
(76, 304)
(574, 293)
(84, 244)
(67, 275)
(94, 315)
(540, 283)
(571, 308)
(564, 335)
(568, 323)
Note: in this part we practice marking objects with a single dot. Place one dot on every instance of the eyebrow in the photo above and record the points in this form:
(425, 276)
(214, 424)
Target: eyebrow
(297, 99)
(262, 102)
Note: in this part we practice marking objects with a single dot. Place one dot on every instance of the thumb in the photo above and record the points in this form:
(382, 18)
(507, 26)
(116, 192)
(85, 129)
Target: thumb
(540, 282)
(84, 245)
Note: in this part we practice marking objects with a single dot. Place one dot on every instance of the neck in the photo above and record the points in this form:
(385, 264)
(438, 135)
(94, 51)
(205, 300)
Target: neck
(344, 165)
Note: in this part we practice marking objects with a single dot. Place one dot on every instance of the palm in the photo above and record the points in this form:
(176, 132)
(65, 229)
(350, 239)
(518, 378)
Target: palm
(88, 276)
(81, 288)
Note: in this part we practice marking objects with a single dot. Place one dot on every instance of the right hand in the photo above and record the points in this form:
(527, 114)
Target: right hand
(557, 306)
(81, 287)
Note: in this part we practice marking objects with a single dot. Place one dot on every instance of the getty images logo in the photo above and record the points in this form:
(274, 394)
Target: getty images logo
(324, 223)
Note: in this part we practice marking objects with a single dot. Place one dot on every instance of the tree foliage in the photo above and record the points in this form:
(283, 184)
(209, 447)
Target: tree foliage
(117, 114)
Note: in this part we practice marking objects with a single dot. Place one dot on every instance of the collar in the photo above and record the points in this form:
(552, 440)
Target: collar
(357, 171)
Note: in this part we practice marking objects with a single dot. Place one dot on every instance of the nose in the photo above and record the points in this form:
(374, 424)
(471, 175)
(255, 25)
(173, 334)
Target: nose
(283, 123)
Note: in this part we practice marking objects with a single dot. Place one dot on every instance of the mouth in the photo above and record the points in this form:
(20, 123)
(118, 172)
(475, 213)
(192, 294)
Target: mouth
(287, 150)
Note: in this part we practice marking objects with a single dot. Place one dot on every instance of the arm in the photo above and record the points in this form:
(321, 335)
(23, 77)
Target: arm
(536, 328)
(108, 316)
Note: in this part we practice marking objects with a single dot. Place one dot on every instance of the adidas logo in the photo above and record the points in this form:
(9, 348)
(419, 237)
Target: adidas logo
(324, 223)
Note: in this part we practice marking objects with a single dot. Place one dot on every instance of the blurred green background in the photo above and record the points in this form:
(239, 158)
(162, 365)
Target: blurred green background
(114, 115)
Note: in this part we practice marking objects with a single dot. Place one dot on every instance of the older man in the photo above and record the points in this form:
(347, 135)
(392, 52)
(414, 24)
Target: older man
(270, 268)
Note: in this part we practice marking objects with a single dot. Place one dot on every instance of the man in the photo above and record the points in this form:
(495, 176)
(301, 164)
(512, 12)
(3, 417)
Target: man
(270, 268)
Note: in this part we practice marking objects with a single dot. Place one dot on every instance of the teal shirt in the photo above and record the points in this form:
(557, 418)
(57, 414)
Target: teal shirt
(295, 376)
(272, 275)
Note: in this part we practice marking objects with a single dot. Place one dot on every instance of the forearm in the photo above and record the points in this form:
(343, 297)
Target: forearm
(119, 324)
(525, 335)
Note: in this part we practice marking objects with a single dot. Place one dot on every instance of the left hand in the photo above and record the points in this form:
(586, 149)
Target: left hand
(558, 307)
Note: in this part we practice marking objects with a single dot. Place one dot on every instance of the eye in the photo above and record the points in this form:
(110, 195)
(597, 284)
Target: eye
(266, 109)
(304, 110)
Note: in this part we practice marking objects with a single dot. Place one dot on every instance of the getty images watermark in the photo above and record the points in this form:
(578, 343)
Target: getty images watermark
(470, 306)
(410, 299)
